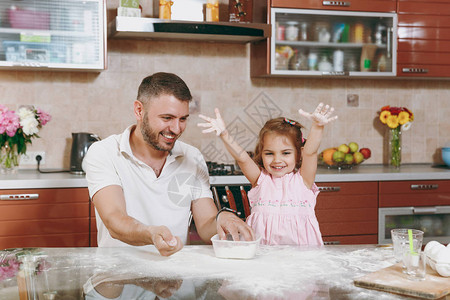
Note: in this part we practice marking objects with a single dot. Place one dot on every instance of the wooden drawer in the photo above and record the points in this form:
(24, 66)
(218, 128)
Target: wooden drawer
(348, 208)
(360, 5)
(47, 240)
(424, 7)
(423, 21)
(416, 45)
(46, 196)
(423, 58)
(57, 218)
(414, 193)
(351, 239)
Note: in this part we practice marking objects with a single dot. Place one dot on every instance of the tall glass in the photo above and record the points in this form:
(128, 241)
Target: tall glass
(400, 241)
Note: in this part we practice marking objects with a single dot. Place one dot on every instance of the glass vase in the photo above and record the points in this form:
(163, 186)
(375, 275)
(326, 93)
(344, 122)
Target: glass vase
(395, 147)
(9, 159)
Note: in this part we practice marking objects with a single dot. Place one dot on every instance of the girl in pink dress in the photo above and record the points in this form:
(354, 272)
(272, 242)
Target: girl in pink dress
(282, 175)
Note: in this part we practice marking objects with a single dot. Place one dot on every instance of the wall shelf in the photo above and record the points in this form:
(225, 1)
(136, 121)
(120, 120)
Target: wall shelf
(159, 29)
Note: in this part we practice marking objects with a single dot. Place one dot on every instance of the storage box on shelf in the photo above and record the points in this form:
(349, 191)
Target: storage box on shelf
(348, 212)
(306, 42)
(423, 38)
(53, 35)
(56, 217)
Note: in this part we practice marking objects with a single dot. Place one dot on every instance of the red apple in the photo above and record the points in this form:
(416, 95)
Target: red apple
(365, 152)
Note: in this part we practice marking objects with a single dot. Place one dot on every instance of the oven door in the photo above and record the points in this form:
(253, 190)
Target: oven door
(434, 221)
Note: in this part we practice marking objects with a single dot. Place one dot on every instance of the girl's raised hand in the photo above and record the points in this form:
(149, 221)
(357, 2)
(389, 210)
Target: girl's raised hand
(321, 116)
(216, 124)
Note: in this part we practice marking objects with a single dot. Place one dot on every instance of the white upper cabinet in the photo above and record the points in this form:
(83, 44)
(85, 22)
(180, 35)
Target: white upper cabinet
(53, 34)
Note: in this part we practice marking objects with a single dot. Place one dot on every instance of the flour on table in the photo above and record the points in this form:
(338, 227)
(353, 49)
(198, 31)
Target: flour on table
(261, 275)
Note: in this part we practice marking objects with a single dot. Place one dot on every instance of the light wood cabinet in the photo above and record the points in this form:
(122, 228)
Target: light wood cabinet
(423, 38)
(57, 217)
(348, 212)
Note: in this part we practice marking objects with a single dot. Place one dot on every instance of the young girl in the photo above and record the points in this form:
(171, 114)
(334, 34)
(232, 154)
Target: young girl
(282, 175)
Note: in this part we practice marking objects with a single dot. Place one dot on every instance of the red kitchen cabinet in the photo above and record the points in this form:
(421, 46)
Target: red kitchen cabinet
(93, 229)
(348, 212)
(423, 205)
(44, 218)
(346, 5)
(423, 38)
(414, 193)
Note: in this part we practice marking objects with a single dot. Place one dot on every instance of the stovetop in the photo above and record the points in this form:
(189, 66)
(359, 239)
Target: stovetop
(217, 169)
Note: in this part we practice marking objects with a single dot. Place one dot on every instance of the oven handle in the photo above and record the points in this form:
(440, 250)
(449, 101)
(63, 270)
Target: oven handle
(425, 210)
(216, 197)
(230, 198)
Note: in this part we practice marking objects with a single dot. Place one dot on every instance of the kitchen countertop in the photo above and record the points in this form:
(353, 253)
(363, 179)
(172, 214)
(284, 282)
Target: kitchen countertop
(32, 179)
(277, 272)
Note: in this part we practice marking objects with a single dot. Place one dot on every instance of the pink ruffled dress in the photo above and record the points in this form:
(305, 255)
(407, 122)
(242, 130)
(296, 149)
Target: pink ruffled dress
(283, 211)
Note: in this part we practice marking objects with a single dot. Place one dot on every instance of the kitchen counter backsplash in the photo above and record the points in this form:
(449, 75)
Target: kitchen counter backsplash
(31, 179)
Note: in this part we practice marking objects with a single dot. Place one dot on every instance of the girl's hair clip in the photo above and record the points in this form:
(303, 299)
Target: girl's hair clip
(289, 121)
(303, 140)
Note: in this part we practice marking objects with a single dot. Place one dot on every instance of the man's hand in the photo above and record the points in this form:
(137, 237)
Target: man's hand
(321, 116)
(217, 124)
(229, 223)
(164, 241)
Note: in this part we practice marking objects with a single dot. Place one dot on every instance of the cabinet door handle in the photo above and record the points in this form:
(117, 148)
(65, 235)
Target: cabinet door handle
(334, 73)
(336, 3)
(30, 64)
(329, 188)
(414, 70)
(19, 197)
(424, 210)
(424, 186)
(389, 35)
(332, 243)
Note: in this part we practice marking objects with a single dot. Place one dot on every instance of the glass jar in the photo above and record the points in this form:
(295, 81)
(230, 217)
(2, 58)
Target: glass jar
(291, 31)
(325, 64)
(303, 35)
(299, 61)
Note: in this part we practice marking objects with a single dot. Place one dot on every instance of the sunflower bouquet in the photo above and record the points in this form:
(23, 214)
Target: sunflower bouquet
(397, 119)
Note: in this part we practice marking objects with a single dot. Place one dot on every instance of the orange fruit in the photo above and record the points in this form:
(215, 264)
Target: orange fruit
(327, 156)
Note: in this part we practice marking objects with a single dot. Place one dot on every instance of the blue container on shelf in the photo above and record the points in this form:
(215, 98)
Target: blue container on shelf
(16, 51)
(446, 155)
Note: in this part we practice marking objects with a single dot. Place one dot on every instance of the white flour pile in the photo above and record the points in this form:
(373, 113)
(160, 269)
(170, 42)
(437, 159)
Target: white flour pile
(272, 272)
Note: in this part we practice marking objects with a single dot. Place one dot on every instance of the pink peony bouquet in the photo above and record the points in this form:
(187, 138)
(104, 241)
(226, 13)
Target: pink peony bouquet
(17, 128)
(11, 262)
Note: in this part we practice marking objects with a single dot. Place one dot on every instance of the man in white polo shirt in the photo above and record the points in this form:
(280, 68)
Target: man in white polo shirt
(145, 183)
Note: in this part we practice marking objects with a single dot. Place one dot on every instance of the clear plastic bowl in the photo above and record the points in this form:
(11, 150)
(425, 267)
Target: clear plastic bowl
(235, 249)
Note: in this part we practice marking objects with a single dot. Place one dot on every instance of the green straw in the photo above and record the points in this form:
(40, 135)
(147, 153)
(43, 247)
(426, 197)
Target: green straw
(411, 249)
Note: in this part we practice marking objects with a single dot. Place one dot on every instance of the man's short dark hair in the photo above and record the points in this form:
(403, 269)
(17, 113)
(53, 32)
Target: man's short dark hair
(163, 84)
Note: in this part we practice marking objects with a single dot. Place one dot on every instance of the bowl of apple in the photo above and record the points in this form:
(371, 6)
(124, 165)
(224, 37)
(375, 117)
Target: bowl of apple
(346, 156)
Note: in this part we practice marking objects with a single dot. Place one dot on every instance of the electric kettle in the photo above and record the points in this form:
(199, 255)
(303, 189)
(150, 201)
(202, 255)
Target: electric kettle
(81, 141)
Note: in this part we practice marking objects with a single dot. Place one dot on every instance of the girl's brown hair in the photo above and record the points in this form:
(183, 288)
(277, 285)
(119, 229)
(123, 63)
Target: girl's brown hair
(283, 126)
